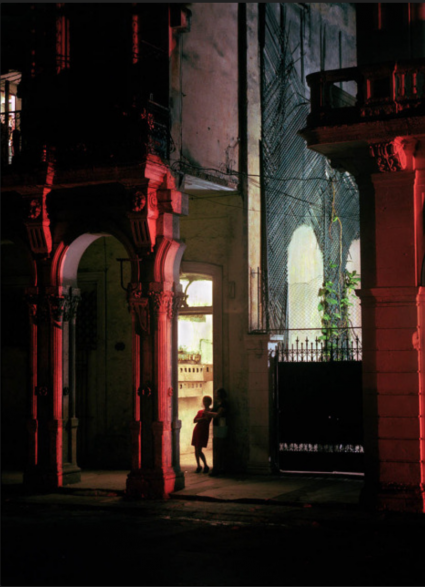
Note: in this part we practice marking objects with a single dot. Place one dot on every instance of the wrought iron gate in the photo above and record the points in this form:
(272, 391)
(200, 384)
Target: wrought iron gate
(318, 408)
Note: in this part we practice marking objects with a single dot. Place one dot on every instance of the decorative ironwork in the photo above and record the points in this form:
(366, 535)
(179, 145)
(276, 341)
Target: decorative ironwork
(315, 351)
(331, 448)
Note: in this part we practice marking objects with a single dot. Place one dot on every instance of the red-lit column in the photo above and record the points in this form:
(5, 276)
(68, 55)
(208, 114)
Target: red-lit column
(31, 296)
(56, 301)
(162, 305)
(391, 353)
(155, 477)
(45, 459)
(138, 306)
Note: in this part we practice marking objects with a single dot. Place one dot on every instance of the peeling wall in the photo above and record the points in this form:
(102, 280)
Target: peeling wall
(209, 86)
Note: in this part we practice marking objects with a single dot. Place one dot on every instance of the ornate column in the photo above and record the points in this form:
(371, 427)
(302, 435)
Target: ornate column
(45, 426)
(389, 241)
(71, 471)
(155, 230)
(139, 308)
(56, 301)
(179, 301)
(31, 296)
(155, 477)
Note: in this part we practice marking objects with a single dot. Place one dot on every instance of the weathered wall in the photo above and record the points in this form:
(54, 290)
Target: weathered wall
(209, 86)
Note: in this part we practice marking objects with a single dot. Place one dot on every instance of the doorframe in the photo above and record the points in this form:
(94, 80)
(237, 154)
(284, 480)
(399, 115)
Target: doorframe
(215, 272)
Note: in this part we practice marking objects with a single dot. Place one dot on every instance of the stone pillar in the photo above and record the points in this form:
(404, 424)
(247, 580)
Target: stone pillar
(389, 294)
(162, 302)
(45, 468)
(31, 296)
(178, 300)
(139, 308)
(259, 403)
(71, 471)
(156, 477)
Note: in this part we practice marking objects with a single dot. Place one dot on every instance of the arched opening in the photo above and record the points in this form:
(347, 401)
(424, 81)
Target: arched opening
(16, 276)
(305, 277)
(101, 408)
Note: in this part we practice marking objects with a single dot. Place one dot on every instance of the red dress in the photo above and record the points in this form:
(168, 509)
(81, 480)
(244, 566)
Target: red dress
(201, 431)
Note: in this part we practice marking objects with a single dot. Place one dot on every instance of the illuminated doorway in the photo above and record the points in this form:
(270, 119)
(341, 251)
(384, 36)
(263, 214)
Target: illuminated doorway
(195, 359)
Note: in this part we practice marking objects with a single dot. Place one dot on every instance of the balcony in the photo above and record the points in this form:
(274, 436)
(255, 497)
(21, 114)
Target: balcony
(82, 139)
(383, 91)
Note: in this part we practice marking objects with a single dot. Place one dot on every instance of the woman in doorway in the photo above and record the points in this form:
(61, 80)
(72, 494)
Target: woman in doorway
(201, 433)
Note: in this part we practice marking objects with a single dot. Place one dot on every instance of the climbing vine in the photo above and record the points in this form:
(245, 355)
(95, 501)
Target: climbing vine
(335, 296)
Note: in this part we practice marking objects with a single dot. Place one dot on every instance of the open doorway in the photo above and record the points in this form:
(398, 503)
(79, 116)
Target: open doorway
(103, 357)
(195, 359)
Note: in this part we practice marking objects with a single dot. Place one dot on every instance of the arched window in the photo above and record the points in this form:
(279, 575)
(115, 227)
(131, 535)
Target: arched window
(305, 277)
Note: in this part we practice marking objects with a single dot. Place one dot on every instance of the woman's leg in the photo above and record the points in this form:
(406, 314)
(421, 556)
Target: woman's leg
(198, 451)
(202, 456)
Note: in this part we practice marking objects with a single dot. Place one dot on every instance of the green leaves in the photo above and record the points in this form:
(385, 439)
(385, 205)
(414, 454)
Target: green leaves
(334, 305)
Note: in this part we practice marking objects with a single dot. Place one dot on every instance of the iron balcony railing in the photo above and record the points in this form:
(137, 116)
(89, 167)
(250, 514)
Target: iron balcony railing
(341, 346)
(126, 137)
(388, 89)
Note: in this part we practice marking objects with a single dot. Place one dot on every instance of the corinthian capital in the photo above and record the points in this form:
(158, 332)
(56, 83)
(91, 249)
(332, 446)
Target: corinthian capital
(162, 302)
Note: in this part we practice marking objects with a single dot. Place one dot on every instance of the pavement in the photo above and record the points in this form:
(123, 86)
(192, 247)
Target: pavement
(292, 529)
(286, 488)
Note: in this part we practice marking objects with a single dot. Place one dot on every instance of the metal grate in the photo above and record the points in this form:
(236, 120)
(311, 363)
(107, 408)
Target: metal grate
(299, 186)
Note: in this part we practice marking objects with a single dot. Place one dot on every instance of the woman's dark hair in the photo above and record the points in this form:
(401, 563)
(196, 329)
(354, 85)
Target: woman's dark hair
(222, 393)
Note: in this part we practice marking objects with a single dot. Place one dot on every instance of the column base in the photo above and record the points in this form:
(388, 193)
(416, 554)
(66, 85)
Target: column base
(394, 497)
(153, 483)
(71, 474)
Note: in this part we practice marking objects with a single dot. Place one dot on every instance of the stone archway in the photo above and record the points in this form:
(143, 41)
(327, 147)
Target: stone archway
(142, 213)
(97, 382)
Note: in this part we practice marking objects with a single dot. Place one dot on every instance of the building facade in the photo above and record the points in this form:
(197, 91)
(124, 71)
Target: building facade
(138, 167)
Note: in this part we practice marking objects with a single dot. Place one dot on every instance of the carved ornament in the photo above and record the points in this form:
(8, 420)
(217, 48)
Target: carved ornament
(70, 307)
(393, 155)
(162, 302)
(56, 306)
(179, 302)
(35, 209)
(139, 201)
